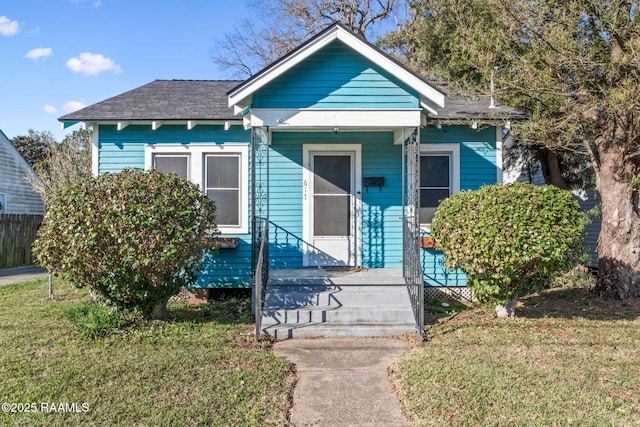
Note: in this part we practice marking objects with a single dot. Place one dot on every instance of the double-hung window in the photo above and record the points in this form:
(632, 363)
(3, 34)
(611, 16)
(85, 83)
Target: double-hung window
(222, 185)
(221, 172)
(439, 177)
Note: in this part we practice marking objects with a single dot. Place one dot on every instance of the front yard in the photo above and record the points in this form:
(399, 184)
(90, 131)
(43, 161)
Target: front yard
(569, 359)
(200, 367)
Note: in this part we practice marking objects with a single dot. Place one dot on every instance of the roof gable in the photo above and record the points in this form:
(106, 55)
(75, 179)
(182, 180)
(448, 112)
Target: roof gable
(335, 77)
(430, 97)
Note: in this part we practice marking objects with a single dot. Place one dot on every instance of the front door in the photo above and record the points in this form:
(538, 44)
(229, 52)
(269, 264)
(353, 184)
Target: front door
(331, 208)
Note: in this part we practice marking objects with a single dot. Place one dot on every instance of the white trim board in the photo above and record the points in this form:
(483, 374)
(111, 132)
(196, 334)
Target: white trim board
(307, 149)
(196, 153)
(240, 98)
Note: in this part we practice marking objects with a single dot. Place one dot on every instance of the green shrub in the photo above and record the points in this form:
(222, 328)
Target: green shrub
(96, 320)
(510, 239)
(134, 237)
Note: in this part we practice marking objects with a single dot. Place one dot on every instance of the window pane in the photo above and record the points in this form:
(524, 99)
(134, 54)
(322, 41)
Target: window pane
(172, 164)
(227, 204)
(432, 198)
(223, 172)
(426, 215)
(434, 171)
(331, 216)
(332, 174)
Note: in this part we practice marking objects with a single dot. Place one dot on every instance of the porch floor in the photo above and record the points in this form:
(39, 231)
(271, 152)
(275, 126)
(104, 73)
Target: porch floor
(336, 302)
(341, 276)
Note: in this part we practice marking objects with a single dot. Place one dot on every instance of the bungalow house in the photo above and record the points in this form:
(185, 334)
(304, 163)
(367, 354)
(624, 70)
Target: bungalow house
(21, 208)
(326, 168)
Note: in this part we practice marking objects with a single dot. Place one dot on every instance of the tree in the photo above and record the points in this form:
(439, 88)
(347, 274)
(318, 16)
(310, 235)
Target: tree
(64, 165)
(249, 48)
(134, 237)
(34, 146)
(574, 66)
(510, 239)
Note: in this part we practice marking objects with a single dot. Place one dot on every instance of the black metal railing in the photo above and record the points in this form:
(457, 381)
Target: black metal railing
(260, 268)
(412, 271)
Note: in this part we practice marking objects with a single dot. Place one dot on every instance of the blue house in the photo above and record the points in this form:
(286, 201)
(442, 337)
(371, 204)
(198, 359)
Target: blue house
(331, 160)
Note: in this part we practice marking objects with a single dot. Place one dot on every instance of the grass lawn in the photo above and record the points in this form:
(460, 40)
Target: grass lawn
(569, 359)
(199, 367)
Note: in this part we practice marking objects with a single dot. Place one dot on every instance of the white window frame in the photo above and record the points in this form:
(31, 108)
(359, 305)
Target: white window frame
(452, 150)
(197, 153)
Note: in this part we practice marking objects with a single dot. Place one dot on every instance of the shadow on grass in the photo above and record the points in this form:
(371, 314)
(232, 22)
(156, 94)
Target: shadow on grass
(233, 311)
(437, 311)
(572, 302)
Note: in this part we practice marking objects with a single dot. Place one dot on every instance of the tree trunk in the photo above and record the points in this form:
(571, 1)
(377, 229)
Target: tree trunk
(507, 309)
(551, 168)
(619, 241)
(159, 311)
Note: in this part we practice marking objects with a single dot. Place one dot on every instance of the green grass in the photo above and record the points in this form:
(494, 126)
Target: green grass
(199, 367)
(569, 359)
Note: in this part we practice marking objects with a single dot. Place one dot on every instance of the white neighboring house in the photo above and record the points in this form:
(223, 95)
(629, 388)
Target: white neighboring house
(17, 196)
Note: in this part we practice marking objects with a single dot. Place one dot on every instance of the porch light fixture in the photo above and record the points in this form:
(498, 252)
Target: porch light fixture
(336, 130)
(474, 125)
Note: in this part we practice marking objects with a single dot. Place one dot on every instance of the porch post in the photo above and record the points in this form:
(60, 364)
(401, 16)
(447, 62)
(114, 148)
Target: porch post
(259, 221)
(412, 266)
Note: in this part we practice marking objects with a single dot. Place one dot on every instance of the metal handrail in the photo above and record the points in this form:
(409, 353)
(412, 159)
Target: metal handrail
(412, 271)
(261, 271)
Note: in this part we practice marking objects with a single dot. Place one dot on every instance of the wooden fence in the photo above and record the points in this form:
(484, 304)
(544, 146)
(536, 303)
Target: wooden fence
(17, 233)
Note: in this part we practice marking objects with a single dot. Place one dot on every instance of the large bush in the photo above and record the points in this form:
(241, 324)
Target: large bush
(510, 239)
(134, 237)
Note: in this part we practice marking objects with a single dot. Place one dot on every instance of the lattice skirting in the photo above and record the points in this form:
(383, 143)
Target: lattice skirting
(455, 293)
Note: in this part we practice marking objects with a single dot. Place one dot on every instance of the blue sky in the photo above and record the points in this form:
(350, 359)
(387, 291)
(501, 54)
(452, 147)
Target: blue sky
(58, 55)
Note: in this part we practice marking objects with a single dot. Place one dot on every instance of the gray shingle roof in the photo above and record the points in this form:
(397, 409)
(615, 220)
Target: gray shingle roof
(164, 100)
(462, 108)
(207, 100)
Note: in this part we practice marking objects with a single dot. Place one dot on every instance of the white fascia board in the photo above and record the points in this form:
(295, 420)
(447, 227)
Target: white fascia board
(372, 53)
(299, 56)
(306, 118)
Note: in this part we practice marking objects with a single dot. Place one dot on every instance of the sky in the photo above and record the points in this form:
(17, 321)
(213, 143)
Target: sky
(57, 56)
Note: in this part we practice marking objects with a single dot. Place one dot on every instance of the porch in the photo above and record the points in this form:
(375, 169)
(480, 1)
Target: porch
(336, 302)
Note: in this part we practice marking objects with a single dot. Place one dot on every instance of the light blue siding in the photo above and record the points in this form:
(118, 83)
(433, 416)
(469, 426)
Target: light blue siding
(477, 168)
(381, 208)
(125, 149)
(336, 77)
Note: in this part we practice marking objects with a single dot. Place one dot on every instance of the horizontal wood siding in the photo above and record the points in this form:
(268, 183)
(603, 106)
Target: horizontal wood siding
(335, 77)
(125, 149)
(227, 268)
(286, 246)
(477, 168)
(16, 193)
(381, 208)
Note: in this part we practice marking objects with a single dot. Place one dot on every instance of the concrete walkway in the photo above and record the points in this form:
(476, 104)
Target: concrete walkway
(344, 381)
(19, 274)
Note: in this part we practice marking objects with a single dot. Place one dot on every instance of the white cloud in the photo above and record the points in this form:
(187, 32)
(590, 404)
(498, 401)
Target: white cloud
(91, 64)
(94, 3)
(41, 52)
(8, 27)
(50, 109)
(72, 106)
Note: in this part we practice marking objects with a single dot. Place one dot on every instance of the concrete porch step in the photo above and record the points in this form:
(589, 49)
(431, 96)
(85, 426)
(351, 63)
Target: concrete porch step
(279, 297)
(337, 330)
(337, 310)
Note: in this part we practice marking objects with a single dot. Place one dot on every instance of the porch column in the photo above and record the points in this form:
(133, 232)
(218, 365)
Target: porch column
(259, 189)
(412, 265)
